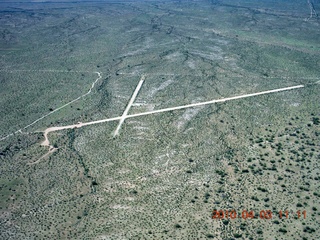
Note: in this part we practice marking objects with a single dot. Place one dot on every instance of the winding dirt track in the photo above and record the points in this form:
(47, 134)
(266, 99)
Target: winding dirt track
(59, 108)
(123, 117)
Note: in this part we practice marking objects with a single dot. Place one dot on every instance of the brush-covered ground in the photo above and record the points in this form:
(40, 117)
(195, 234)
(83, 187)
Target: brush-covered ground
(165, 174)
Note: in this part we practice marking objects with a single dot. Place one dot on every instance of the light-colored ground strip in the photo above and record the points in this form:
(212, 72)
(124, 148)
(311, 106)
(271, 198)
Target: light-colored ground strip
(51, 150)
(201, 75)
(78, 125)
(59, 108)
(53, 129)
(214, 101)
(125, 113)
(43, 70)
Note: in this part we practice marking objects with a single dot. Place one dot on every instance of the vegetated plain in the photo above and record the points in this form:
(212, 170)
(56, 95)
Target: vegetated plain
(162, 177)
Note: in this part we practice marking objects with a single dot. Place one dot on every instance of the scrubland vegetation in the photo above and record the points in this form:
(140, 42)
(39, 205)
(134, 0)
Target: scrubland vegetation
(162, 177)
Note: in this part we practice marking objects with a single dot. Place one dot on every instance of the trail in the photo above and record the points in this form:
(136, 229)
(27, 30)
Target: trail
(44, 70)
(53, 129)
(59, 108)
(201, 75)
(51, 150)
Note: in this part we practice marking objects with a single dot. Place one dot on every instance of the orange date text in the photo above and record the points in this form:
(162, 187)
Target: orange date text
(263, 214)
